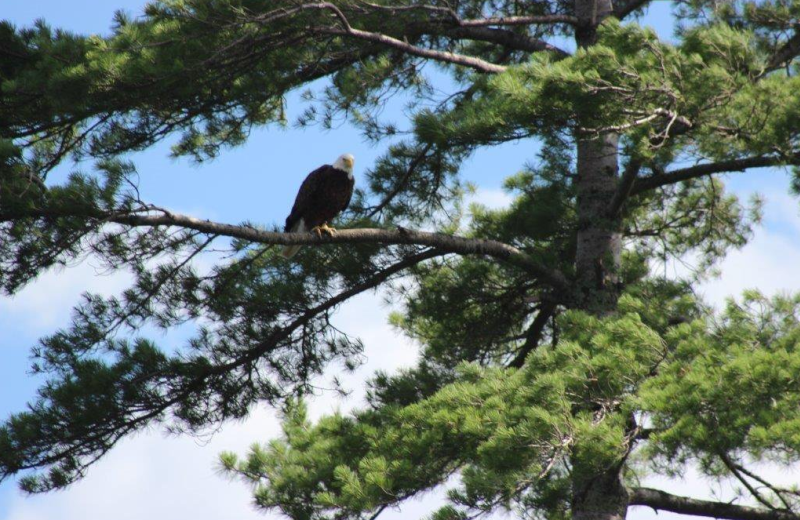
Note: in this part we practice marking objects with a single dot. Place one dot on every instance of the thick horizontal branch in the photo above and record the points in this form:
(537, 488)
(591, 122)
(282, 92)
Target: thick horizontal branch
(448, 243)
(661, 500)
(702, 170)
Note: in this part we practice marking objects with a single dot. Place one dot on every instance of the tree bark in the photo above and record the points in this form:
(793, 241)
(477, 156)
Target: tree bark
(598, 494)
(597, 491)
(599, 237)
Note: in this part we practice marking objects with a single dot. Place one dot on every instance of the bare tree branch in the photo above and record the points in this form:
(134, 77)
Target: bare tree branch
(443, 56)
(284, 332)
(734, 469)
(701, 170)
(660, 500)
(448, 57)
(778, 491)
(657, 113)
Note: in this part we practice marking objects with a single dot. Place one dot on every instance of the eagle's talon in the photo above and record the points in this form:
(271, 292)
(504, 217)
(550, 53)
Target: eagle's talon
(323, 229)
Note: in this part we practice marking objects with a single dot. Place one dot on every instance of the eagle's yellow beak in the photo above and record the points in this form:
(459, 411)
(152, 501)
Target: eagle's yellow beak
(349, 161)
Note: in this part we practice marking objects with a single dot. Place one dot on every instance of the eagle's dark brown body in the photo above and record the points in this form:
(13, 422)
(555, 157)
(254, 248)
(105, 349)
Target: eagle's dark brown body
(325, 193)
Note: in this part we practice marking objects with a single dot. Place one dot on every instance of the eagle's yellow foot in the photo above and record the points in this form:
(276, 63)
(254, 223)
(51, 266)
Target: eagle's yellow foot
(324, 228)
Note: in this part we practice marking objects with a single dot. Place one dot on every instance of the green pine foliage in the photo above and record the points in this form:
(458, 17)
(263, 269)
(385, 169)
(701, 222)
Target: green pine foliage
(528, 396)
(702, 384)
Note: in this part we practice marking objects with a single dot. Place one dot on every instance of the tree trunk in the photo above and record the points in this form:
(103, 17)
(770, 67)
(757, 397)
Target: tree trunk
(598, 494)
(597, 258)
(597, 491)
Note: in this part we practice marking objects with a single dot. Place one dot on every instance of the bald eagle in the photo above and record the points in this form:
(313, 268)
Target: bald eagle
(325, 193)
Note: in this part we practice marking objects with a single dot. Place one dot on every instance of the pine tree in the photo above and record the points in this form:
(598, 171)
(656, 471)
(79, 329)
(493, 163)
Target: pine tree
(556, 366)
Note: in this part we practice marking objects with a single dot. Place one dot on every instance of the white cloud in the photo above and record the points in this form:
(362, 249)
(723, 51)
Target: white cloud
(47, 302)
(153, 476)
(493, 198)
(769, 262)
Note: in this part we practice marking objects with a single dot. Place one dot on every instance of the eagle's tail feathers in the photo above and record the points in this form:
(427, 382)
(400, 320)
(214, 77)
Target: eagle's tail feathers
(290, 251)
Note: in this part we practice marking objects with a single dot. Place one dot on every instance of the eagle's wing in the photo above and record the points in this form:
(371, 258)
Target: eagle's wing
(349, 196)
(305, 196)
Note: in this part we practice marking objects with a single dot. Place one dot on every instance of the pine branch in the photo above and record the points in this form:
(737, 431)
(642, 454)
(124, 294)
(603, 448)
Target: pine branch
(753, 491)
(702, 170)
(87, 448)
(660, 500)
(370, 283)
(401, 184)
(778, 491)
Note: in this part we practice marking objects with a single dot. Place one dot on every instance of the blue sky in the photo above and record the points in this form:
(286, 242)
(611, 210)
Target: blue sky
(157, 475)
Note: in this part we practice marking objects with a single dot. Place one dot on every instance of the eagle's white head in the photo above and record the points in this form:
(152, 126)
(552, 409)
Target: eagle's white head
(345, 163)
